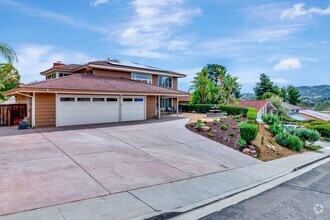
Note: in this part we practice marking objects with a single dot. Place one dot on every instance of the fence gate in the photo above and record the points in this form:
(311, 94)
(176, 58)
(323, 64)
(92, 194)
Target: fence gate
(11, 114)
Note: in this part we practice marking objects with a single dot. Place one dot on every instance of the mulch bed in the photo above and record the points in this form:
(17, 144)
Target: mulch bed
(226, 137)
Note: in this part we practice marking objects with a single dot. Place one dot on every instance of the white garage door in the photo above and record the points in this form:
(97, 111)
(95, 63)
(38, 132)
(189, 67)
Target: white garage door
(133, 108)
(86, 109)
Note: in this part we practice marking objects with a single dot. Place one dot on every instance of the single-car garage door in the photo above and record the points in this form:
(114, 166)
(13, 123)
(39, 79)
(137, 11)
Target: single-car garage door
(86, 109)
(133, 108)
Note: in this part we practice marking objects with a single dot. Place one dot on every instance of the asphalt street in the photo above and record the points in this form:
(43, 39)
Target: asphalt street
(304, 197)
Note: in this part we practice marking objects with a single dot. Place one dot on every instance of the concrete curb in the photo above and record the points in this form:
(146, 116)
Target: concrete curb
(166, 214)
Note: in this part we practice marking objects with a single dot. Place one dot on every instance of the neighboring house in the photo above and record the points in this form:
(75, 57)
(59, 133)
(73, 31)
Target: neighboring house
(98, 92)
(11, 100)
(184, 99)
(291, 109)
(264, 107)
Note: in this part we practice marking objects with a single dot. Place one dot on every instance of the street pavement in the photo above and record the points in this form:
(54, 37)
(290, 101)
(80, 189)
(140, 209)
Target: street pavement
(304, 197)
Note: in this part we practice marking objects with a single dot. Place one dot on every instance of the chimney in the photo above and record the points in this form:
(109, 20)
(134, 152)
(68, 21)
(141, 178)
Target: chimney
(58, 63)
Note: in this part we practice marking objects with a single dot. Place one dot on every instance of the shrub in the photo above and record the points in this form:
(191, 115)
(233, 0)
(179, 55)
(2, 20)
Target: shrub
(248, 132)
(241, 142)
(231, 134)
(237, 116)
(235, 127)
(221, 120)
(210, 134)
(270, 119)
(295, 143)
(262, 140)
(252, 115)
(199, 124)
(223, 127)
(290, 141)
(314, 147)
(276, 128)
(215, 121)
(283, 139)
(323, 129)
(271, 141)
(308, 135)
(204, 108)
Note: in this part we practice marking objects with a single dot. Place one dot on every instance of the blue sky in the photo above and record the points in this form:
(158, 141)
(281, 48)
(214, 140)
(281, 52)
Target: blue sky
(288, 40)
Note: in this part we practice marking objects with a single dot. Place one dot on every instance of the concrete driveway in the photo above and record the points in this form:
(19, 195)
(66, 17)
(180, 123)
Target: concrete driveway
(40, 168)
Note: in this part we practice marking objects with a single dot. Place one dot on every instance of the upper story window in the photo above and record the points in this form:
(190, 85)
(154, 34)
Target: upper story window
(56, 75)
(63, 74)
(142, 77)
(51, 76)
(165, 81)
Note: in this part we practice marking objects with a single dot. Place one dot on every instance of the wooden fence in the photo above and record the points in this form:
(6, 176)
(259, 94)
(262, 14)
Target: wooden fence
(11, 114)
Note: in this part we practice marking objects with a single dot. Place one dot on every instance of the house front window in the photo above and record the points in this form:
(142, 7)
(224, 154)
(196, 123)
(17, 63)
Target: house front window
(146, 78)
(165, 103)
(165, 81)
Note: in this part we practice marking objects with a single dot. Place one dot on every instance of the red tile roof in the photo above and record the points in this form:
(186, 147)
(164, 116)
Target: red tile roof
(258, 104)
(87, 82)
(184, 99)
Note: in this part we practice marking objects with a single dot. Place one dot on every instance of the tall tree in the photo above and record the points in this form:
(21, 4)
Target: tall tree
(216, 72)
(200, 86)
(293, 95)
(284, 94)
(265, 85)
(9, 78)
(8, 53)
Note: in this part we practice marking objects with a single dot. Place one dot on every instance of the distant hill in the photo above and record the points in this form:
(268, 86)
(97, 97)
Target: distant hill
(315, 93)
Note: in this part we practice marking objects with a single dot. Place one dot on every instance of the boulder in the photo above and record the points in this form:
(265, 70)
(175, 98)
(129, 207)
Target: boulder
(247, 151)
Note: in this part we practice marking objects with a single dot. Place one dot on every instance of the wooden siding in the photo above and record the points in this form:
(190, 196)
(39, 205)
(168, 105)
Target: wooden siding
(175, 83)
(112, 73)
(45, 110)
(175, 103)
(155, 79)
(151, 106)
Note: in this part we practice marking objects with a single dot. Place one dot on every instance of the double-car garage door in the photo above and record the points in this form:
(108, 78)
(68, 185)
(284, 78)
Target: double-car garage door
(93, 109)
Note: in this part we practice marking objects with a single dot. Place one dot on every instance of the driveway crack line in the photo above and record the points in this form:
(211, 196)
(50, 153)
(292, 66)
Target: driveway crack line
(76, 163)
(145, 153)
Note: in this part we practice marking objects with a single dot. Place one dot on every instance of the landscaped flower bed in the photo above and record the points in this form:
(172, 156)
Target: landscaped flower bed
(224, 131)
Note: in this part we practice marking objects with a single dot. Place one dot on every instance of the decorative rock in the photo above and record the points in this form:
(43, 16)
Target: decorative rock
(246, 151)
(252, 148)
(205, 128)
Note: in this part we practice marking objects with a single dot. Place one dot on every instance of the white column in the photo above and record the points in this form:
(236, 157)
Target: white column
(177, 106)
(159, 106)
(34, 110)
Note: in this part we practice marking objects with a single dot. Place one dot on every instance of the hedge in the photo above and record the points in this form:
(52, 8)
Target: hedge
(205, 108)
(323, 129)
(252, 115)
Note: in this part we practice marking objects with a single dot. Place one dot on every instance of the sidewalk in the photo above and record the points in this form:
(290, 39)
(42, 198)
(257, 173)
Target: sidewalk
(170, 199)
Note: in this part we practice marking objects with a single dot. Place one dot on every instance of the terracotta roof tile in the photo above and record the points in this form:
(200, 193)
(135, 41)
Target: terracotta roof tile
(258, 104)
(95, 83)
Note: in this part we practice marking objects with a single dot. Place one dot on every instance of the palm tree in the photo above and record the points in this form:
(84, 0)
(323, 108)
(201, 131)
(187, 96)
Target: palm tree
(8, 53)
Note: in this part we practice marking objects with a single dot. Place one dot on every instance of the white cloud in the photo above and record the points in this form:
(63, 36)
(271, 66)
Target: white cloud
(288, 64)
(299, 10)
(42, 13)
(153, 27)
(32, 59)
(99, 2)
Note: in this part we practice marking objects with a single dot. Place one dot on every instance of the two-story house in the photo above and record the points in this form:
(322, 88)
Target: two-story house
(98, 92)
